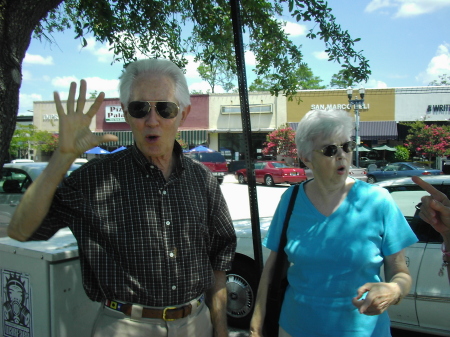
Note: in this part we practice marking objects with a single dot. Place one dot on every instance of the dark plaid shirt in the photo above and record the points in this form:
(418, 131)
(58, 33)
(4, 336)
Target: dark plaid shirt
(143, 239)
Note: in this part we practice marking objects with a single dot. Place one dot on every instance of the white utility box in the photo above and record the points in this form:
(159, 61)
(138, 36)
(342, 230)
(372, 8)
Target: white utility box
(42, 292)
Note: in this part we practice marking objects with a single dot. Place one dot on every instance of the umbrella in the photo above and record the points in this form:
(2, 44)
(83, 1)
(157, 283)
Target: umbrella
(385, 148)
(201, 148)
(118, 149)
(97, 150)
(363, 148)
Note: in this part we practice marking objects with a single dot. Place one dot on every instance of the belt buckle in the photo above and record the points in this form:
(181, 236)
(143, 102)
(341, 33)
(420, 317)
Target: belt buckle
(164, 314)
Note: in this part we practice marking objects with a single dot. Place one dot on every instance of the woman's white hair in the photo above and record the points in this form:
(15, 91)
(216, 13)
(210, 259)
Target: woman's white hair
(321, 124)
(154, 67)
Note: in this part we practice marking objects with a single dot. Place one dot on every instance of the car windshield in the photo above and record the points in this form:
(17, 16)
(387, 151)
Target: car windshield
(420, 166)
(281, 165)
(213, 157)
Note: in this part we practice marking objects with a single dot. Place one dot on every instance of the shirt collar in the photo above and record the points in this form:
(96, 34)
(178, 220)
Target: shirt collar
(144, 163)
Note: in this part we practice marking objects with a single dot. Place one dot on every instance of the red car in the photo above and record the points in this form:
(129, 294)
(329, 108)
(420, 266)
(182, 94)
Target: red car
(273, 172)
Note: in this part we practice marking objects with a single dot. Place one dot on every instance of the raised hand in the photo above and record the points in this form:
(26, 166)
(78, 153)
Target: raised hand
(75, 137)
(435, 208)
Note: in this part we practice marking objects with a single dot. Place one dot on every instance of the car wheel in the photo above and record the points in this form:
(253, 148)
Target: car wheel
(242, 285)
(371, 179)
(220, 180)
(269, 180)
(241, 179)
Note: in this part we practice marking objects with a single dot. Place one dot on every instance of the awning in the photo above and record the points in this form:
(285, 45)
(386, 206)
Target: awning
(376, 130)
(194, 137)
(191, 137)
(382, 130)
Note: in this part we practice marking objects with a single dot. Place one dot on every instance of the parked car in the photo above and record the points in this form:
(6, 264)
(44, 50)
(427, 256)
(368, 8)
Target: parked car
(215, 161)
(399, 170)
(273, 172)
(424, 309)
(354, 172)
(14, 180)
(16, 161)
(365, 162)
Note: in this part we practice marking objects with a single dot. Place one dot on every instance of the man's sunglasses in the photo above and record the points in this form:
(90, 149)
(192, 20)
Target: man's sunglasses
(140, 109)
(331, 150)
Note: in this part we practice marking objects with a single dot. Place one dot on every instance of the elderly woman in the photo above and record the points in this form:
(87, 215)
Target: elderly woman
(340, 233)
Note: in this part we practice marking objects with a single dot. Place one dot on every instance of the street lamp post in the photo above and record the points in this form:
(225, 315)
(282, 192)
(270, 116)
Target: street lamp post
(358, 104)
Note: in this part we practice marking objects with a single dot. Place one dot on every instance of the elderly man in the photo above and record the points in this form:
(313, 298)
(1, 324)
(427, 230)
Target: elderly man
(154, 232)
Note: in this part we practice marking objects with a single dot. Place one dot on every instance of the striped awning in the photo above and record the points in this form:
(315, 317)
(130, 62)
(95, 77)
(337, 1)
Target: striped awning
(194, 137)
(374, 130)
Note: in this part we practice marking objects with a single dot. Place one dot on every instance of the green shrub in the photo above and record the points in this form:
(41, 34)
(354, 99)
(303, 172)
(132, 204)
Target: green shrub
(402, 153)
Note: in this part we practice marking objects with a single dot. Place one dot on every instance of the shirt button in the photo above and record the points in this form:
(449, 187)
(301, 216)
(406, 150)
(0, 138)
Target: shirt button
(152, 167)
(167, 223)
(174, 287)
(147, 176)
(171, 254)
(164, 192)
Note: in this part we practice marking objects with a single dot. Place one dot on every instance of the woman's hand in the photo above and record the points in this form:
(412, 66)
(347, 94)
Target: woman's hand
(75, 137)
(379, 297)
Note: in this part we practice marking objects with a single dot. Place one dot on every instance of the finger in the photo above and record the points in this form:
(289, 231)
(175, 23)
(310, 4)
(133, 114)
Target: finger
(96, 106)
(71, 98)
(107, 138)
(81, 97)
(430, 189)
(59, 107)
(362, 290)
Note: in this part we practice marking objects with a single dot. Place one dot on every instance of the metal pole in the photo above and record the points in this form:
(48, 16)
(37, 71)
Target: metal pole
(357, 135)
(247, 131)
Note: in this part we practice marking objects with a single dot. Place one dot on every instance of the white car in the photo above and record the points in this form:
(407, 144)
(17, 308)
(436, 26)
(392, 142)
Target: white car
(425, 309)
(14, 180)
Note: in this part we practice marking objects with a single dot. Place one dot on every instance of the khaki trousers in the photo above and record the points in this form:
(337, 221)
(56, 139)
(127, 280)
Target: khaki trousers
(111, 323)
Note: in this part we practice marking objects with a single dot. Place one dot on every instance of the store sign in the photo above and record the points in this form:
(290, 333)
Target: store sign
(337, 107)
(438, 109)
(114, 114)
(47, 118)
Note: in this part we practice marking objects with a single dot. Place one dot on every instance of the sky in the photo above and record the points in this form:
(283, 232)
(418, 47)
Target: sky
(407, 43)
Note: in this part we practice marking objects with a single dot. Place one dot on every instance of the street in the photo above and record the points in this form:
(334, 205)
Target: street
(237, 199)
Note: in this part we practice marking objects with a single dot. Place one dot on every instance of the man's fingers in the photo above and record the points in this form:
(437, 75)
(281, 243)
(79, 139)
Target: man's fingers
(59, 107)
(437, 195)
(71, 98)
(96, 106)
(81, 97)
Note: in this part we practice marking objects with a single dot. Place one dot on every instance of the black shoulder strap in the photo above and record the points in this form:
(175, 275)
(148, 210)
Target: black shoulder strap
(283, 239)
(281, 264)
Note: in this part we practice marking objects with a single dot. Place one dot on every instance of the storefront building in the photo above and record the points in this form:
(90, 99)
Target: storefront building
(267, 113)
(215, 119)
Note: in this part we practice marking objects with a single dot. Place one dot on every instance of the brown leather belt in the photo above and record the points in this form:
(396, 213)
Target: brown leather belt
(167, 314)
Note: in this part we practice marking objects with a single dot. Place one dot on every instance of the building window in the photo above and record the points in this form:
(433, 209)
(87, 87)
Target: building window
(254, 109)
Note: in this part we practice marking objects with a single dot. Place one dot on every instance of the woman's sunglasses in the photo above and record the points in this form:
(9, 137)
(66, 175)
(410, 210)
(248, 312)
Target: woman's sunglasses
(331, 150)
(140, 109)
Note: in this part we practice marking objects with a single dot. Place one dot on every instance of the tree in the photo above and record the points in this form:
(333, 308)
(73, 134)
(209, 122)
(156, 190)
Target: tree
(153, 28)
(430, 140)
(444, 79)
(217, 73)
(281, 142)
(342, 80)
(303, 75)
(27, 137)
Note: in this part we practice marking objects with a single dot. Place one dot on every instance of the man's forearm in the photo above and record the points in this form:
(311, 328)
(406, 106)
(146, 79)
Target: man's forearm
(37, 200)
(217, 303)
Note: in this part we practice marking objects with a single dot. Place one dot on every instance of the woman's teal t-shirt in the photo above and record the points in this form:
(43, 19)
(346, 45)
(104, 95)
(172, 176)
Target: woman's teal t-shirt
(331, 257)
